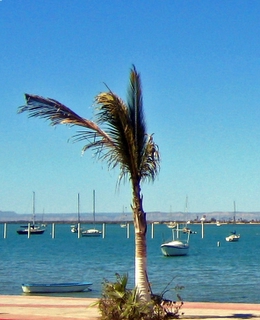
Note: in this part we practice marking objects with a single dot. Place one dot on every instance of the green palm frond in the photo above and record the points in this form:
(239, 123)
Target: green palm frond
(118, 135)
(135, 151)
(150, 160)
(135, 105)
(114, 115)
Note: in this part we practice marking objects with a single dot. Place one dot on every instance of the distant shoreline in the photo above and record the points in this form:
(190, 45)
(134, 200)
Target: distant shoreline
(130, 222)
(117, 217)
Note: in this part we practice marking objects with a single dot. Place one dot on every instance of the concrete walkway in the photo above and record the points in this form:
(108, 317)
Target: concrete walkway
(64, 308)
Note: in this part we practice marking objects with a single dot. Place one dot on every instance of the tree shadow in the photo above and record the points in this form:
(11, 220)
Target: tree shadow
(233, 316)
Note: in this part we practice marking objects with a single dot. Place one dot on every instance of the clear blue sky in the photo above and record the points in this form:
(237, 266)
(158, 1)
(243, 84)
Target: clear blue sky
(200, 68)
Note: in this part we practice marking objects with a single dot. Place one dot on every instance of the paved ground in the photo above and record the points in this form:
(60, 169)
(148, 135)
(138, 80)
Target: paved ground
(220, 311)
(61, 308)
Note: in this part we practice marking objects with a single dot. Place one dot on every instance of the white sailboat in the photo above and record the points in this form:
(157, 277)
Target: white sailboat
(171, 224)
(234, 218)
(74, 227)
(124, 223)
(31, 228)
(185, 227)
(93, 232)
(176, 246)
(233, 237)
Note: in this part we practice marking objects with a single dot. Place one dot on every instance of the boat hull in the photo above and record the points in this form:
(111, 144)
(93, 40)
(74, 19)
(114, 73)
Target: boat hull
(233, 238)
(55, 287)
(74, 229)
(91, 233)
(32, 231)
(175, 248)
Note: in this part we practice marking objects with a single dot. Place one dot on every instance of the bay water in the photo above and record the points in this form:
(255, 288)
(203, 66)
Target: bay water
(213, 271)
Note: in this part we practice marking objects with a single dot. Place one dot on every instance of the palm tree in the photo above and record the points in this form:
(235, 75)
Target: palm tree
(118, 136)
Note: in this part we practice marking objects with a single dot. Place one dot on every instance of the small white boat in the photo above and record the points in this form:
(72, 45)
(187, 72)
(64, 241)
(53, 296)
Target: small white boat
(74, 227)
(188, 230)
(171, 225)
(55, 287)
(233, 237)
(123, 225)
(176, 246)
(91, 233)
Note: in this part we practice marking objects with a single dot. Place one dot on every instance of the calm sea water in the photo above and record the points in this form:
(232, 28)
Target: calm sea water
(226, 273)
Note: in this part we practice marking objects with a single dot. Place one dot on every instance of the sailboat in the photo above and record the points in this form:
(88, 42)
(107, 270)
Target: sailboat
(123, 223)
(43, 224)
(93, 232)
(33, 228)
(185, 227)
(74, 227)
(171, 224)
(176, 246)
(234, 218)
(233, 237)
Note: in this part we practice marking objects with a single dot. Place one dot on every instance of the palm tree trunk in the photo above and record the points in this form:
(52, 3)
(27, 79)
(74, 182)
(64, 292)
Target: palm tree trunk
(140, 224)
(141, 279)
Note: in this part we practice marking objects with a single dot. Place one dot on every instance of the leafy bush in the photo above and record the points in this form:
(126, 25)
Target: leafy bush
(119, 303)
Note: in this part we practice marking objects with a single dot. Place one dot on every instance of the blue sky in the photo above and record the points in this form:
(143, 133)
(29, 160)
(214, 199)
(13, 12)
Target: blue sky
(200, 69)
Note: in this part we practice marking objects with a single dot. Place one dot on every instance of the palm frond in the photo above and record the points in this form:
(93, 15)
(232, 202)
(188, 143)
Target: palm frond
(150, 160)
(135, 151)
(57, 113)
(135, 104)
(114, 114)
(118, 134)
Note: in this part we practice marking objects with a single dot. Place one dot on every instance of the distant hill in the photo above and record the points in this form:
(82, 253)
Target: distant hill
(10, 216)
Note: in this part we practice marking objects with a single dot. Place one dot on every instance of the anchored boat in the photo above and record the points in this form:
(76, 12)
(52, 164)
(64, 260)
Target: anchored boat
(93, 232)
(31, 228)
(177, 246)
(233, 237)
(55, 287)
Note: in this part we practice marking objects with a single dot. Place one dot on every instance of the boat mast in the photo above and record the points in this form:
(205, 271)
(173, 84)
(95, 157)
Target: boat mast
(33, 208)
(234, 212)
(94, 207)
(186, 205)
(186, 209)
(78, 208)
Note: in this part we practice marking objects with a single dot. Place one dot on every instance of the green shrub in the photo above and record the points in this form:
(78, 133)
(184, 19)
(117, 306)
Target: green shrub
(119, 303)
